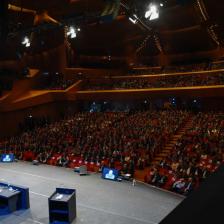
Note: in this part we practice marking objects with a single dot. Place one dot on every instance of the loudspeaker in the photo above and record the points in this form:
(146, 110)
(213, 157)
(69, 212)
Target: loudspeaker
(35, 162)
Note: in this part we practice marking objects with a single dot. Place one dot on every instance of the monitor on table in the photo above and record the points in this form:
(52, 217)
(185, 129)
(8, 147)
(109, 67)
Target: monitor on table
(110, 174)
(6, 158)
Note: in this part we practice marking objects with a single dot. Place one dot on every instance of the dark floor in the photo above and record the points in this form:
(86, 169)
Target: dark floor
(98, 201)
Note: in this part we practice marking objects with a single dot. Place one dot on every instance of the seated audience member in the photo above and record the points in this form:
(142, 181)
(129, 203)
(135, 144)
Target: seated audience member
(179, 186)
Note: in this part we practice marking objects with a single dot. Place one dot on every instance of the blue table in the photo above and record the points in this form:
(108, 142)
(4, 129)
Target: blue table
(12, 198)
(8, 200)
(62, 206)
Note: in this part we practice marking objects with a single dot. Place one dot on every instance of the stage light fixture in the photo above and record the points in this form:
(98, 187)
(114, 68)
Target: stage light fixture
(26, 42)
(133, 19)
(72, 32)
(152, 13)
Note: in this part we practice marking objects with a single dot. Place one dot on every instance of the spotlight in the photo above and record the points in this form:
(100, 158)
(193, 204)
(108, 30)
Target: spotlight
(161, 4)
(72, 32)
(152, 13)
(26, 42)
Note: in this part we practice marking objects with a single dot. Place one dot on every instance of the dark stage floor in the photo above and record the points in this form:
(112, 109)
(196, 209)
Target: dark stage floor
(98, 201)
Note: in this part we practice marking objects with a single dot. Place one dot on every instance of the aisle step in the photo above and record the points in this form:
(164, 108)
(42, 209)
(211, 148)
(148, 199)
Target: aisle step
(163, 154)
(170, 145)
(166, 151)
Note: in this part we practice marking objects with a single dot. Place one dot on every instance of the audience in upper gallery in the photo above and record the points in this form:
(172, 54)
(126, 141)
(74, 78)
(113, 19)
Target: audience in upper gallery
(197, 154)
(170, 69)
(118, 140)
(160, 82)
(218, 65)
(145, 71)
(54, 81)
(187, 68)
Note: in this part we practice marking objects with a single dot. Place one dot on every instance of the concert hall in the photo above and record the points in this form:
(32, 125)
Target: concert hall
(111, 111)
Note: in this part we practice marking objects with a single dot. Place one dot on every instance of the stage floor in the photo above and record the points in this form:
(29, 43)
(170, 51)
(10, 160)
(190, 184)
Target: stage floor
(99, 201)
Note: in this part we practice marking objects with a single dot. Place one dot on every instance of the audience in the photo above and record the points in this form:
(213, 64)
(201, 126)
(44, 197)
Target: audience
(54, 81)
(171, 69)
(129, 141)
(218, 65)
(197, 154)
(125, 141)
(160, 82)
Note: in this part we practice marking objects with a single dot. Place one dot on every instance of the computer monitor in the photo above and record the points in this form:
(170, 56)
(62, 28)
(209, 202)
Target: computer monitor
(110, 174)
(7, 158)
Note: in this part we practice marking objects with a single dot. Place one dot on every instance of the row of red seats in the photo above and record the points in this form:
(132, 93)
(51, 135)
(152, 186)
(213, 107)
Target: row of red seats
(74, 161)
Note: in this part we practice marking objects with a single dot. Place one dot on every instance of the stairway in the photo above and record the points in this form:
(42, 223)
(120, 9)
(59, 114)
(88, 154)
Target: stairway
(170, 145)
(140, 174)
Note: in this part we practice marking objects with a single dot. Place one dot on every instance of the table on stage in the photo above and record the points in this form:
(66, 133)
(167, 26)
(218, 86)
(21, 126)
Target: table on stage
(13, 198)
(62, 206)
(8, 200)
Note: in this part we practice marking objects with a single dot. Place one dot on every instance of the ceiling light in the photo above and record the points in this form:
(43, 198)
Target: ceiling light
(26, 42)
(73, 35)
(72, 32)
(152, 13)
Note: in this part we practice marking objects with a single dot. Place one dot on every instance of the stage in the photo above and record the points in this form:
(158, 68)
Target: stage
(99, 201)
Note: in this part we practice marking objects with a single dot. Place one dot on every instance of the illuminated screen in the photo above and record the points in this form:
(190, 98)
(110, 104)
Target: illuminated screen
(110, 174)
(5, 158)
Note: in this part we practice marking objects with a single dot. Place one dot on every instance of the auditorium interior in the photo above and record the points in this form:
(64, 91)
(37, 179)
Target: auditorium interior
(111, 111)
